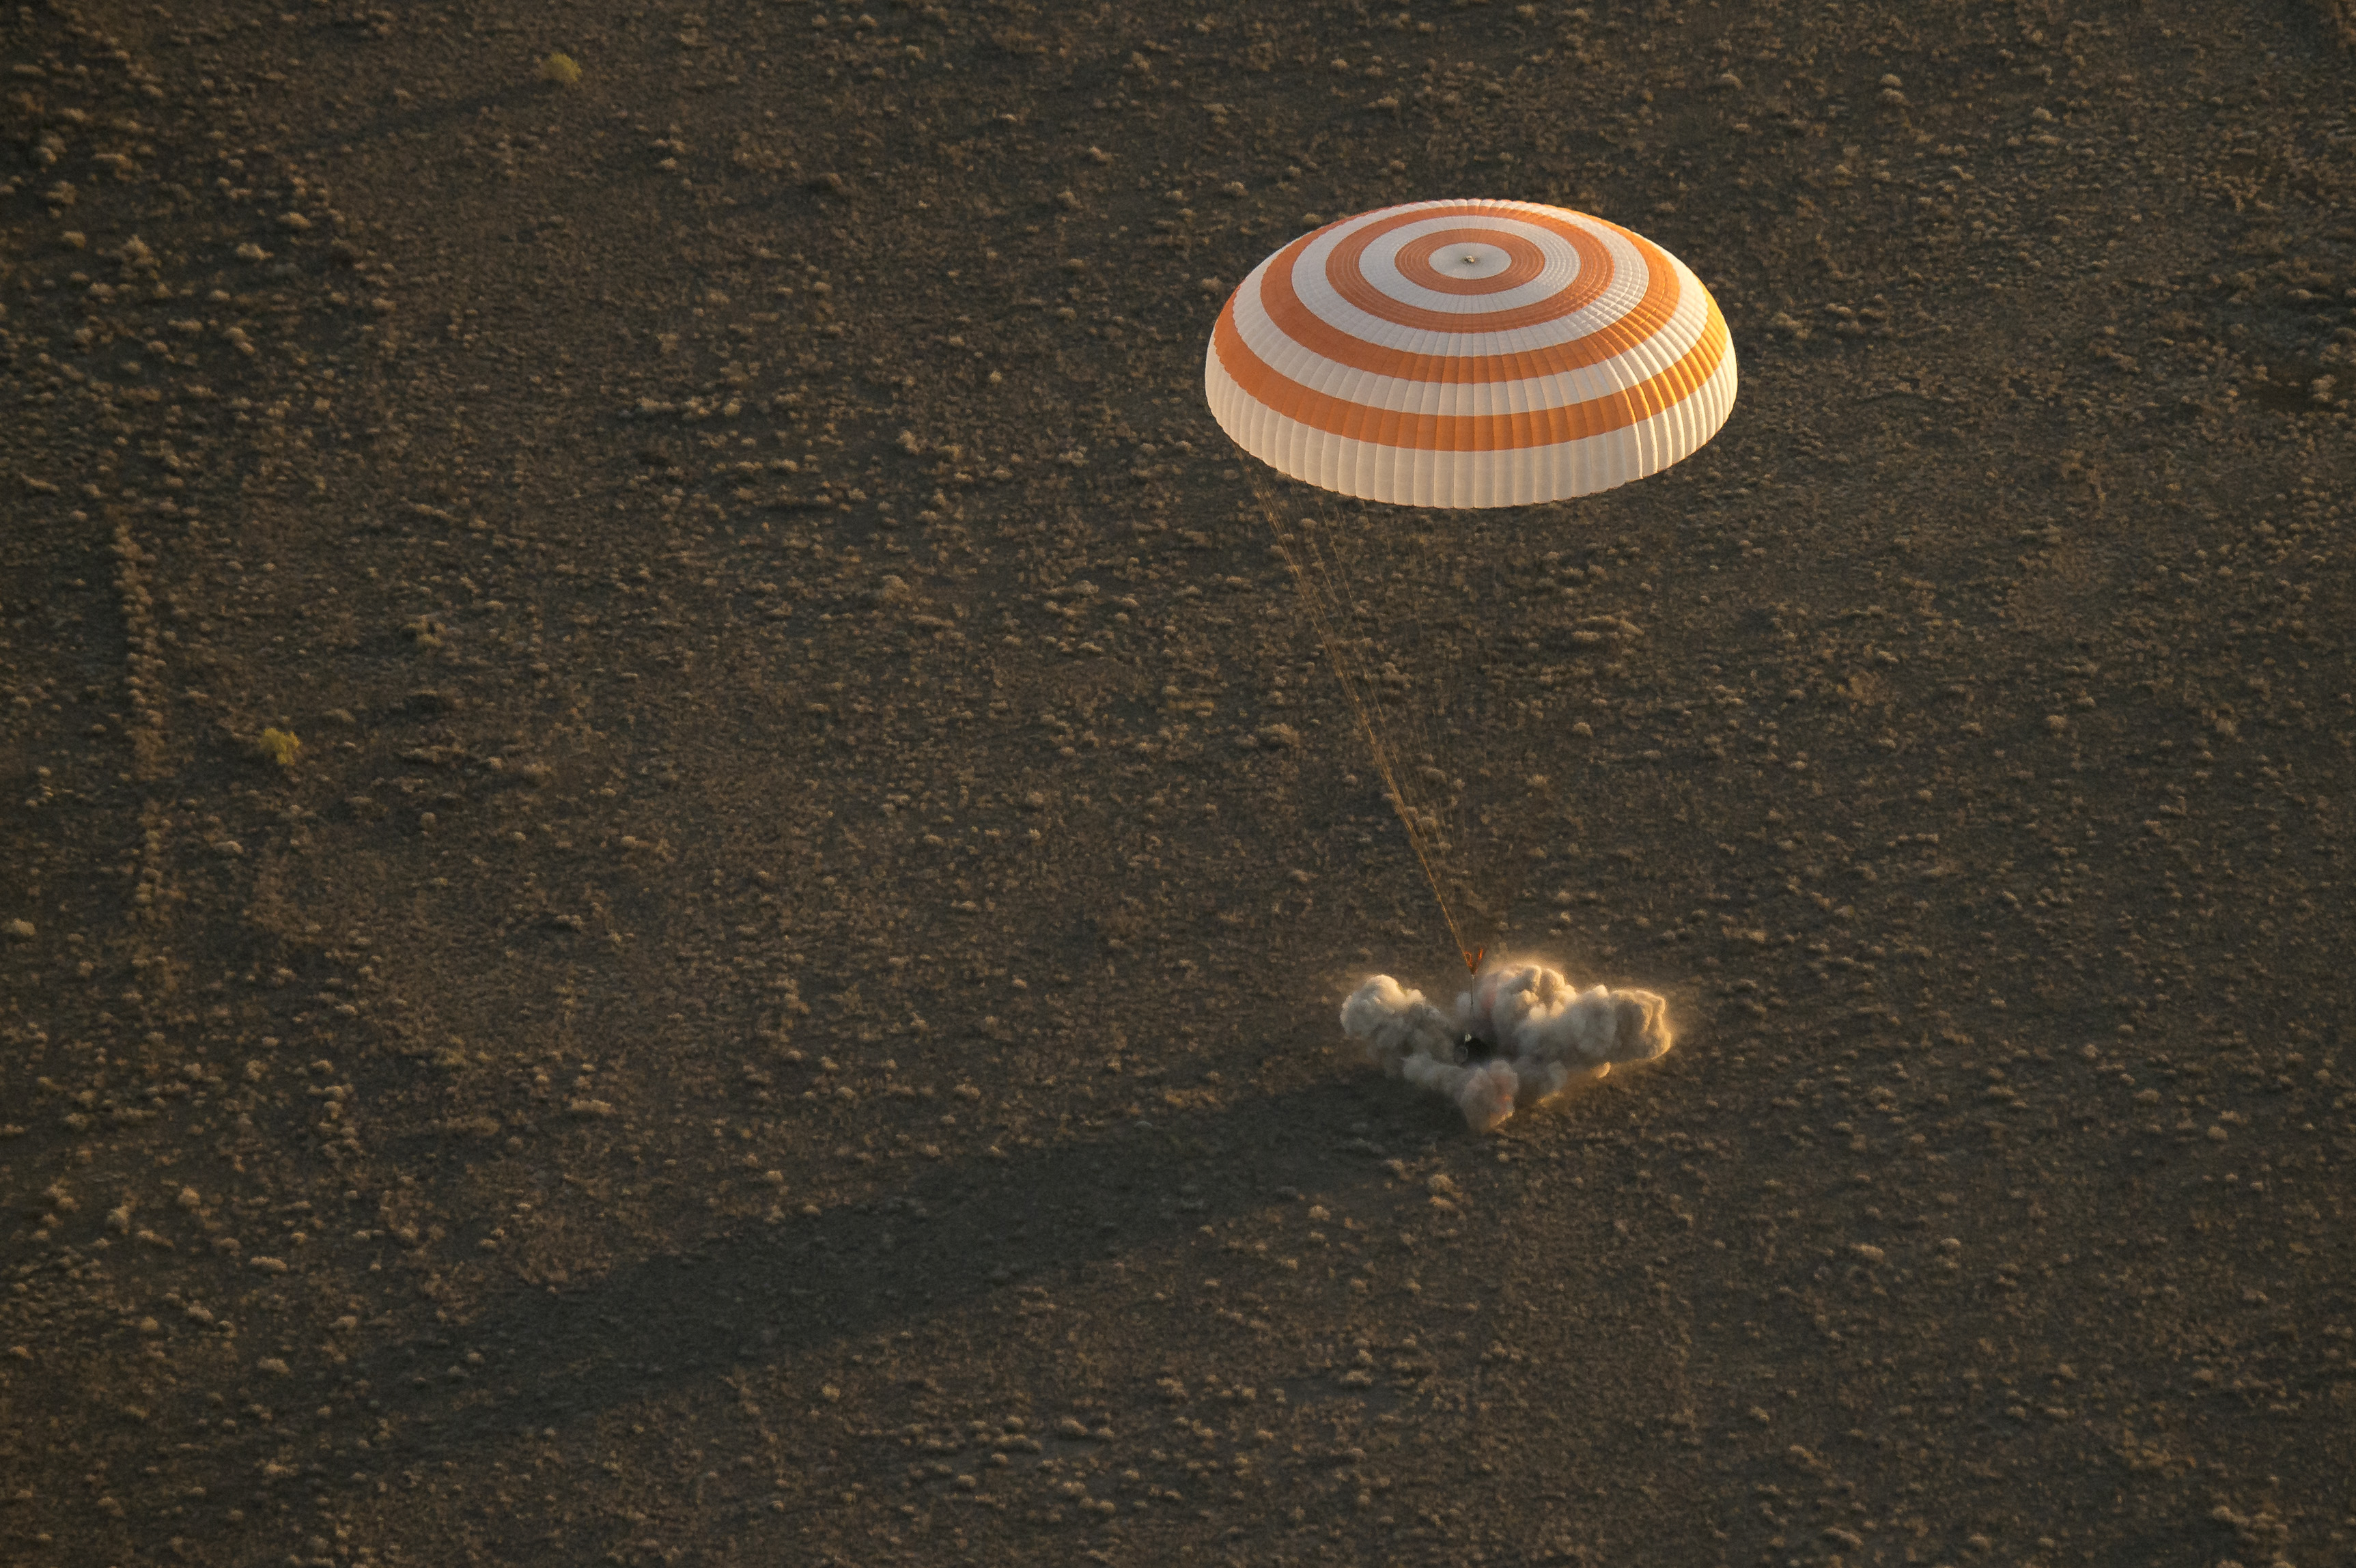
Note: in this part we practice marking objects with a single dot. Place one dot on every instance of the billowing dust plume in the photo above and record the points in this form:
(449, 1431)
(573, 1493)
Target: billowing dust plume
(1521, 1035)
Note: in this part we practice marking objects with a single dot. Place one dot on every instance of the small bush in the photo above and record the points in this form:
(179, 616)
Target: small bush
(560, 70)
(279, 745)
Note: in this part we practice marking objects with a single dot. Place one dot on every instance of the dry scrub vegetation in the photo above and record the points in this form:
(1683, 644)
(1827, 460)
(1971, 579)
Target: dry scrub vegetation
(781, 1006)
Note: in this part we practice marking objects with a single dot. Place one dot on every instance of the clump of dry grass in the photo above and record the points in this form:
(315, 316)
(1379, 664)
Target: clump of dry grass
(560, 70)
(279, 745)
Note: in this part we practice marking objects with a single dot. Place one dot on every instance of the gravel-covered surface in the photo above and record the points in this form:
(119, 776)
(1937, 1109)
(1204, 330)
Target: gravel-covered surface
(784, 1009)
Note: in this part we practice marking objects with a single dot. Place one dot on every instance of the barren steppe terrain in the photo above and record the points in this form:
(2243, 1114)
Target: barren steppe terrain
(778, 1004)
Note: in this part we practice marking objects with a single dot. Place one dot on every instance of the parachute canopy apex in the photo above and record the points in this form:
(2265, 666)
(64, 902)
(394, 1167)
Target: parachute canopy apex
(1469, 353)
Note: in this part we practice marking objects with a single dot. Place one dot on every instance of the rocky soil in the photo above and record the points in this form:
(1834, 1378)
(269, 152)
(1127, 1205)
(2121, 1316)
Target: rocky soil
(675, 867)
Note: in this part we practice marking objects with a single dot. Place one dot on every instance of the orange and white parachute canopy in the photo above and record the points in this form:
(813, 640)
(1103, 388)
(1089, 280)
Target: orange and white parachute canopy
(1471, 354)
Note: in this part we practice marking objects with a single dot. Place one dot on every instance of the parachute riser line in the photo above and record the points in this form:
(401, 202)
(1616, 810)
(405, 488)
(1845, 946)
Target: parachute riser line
(1337, 655)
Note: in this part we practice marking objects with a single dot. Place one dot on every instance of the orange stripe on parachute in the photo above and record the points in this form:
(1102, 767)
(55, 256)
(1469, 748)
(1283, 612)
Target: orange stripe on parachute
(1471, 433)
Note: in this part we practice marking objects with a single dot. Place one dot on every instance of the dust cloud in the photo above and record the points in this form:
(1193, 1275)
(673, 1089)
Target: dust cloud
(1523, 1035)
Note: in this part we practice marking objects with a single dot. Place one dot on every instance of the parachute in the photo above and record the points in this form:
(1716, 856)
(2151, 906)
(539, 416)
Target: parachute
(1470, 363)
(1471, 354)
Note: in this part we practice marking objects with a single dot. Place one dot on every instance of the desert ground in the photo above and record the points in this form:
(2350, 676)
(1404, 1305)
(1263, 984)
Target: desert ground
(676, 868)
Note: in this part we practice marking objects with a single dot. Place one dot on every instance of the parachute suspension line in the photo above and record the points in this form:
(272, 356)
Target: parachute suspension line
(1329, 568)
(1496, 538)
(1326, 576)
(1354, 683)
(1353, 680)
